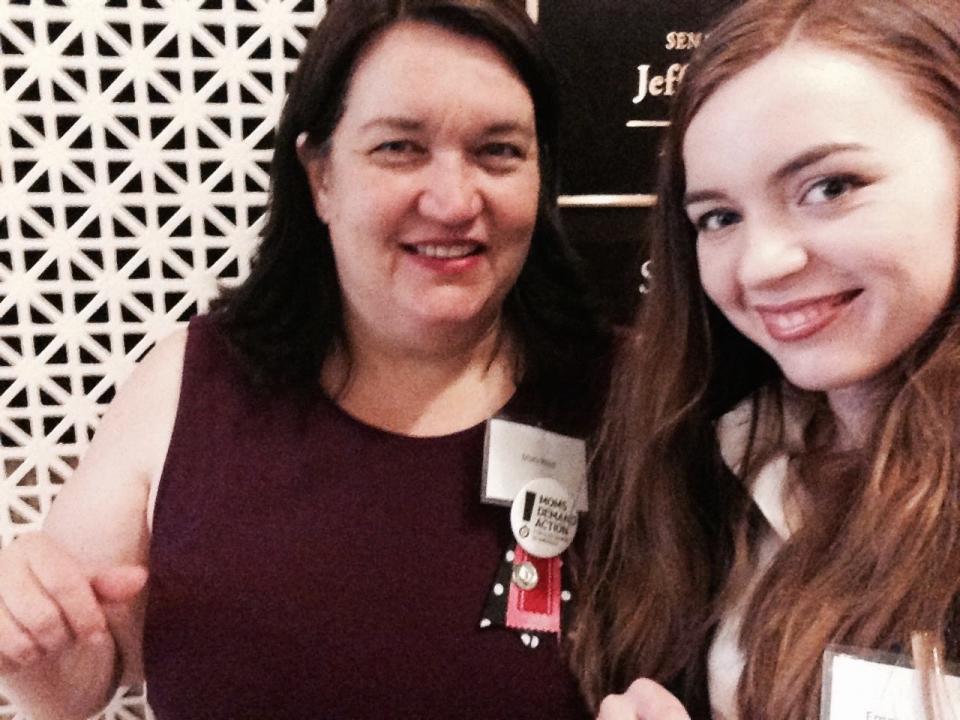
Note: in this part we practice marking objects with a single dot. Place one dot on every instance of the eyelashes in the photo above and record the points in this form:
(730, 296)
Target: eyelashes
(504, 151)
(716, 220)
(495, 155)
(826, 191)
(831, 188)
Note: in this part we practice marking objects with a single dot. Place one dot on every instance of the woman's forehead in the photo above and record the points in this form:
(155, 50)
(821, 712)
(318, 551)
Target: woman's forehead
(414, 68)
(798, 97)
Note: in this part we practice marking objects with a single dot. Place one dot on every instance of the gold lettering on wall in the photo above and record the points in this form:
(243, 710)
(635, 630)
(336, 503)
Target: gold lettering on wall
(657, 85)
(651, 83)
(683, 40)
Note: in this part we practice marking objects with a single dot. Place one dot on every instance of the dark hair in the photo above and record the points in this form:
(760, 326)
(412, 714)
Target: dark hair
(286, 317)
(674, 523)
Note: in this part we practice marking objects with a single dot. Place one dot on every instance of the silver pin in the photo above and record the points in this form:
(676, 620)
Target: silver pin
(525, 575)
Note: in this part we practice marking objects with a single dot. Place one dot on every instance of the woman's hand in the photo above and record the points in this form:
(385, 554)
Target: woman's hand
(49, 601)
(643, 700)
(55, 621)
(72, 598)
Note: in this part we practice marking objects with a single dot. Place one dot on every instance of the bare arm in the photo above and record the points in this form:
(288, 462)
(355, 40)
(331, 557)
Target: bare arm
(71, 595)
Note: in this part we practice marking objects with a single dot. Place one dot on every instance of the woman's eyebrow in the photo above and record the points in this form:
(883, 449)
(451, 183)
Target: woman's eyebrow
(811, 157)
(504, 128)
(393, 122)
(409, 124)
(702, 196)
(404, 124)
(788, 169)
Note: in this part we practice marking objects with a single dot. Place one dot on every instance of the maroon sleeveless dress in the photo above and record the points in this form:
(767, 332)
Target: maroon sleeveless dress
(305, 565)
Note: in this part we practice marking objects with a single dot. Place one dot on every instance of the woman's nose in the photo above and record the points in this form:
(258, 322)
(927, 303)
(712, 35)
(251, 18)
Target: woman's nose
(770, 253)
(450, 194)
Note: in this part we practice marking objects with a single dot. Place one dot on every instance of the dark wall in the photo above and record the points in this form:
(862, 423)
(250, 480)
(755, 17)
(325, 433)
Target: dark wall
(620, 61)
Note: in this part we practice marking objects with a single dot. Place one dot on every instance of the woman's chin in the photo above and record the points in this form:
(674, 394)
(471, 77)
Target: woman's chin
(456, 323)
(465, 312)
(828, 378)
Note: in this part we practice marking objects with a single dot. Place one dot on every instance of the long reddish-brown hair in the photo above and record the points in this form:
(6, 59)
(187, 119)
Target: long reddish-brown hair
(878, 556)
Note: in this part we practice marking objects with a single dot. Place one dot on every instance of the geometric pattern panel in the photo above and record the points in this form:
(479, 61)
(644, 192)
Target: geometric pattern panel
(135, 141)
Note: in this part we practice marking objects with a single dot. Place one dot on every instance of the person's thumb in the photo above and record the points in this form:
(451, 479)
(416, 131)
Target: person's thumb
(119, 584)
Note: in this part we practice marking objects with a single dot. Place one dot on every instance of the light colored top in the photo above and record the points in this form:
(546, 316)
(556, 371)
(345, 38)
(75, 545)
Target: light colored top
(725, 660)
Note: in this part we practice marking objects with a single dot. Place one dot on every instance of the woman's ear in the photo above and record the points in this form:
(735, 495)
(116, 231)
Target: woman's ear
(314, 163)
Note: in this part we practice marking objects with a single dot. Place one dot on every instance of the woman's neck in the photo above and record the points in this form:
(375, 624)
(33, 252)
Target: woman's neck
(437, 388)
(855, 411)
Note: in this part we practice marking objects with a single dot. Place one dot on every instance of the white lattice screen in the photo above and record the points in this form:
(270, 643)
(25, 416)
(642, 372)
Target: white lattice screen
(135, 138)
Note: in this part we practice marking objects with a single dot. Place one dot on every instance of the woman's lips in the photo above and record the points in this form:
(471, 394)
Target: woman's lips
(445, 257)
(801, 319)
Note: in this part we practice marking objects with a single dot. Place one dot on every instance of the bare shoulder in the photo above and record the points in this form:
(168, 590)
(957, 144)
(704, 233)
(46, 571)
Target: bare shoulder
(148, 399)
(102, 508)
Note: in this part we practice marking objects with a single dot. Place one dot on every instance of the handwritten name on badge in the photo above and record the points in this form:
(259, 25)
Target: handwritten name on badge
(517, 453)
(858, 688)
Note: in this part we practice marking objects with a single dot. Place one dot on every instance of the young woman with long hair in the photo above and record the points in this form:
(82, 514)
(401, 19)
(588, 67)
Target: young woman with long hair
(779, 468)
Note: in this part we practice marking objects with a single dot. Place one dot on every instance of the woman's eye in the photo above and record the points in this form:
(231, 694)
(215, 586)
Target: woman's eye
(829, 189)
(716, 220)
(501, 156)
(398, 153)
(396, 147)
(502, 150)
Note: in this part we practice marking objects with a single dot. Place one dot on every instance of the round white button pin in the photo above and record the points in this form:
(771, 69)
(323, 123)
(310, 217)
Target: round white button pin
(544, 518)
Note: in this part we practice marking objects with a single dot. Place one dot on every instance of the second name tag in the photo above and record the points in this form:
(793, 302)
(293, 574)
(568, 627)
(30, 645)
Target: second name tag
(872, 686)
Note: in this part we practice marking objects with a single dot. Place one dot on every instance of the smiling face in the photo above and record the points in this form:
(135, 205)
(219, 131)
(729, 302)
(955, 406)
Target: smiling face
(429, 186)
(826, 204)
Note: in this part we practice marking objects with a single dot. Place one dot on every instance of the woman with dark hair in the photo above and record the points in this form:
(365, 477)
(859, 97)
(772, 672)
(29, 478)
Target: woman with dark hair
(288, 317)
(281, 513)
(780, 466)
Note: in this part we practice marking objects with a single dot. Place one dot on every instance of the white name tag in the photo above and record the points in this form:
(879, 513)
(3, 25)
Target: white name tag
(856, 688)
(516, 453)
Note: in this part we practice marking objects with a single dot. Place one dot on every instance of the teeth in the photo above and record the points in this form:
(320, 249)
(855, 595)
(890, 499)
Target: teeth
(444, 251)
(812, 312)
(792, 320)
